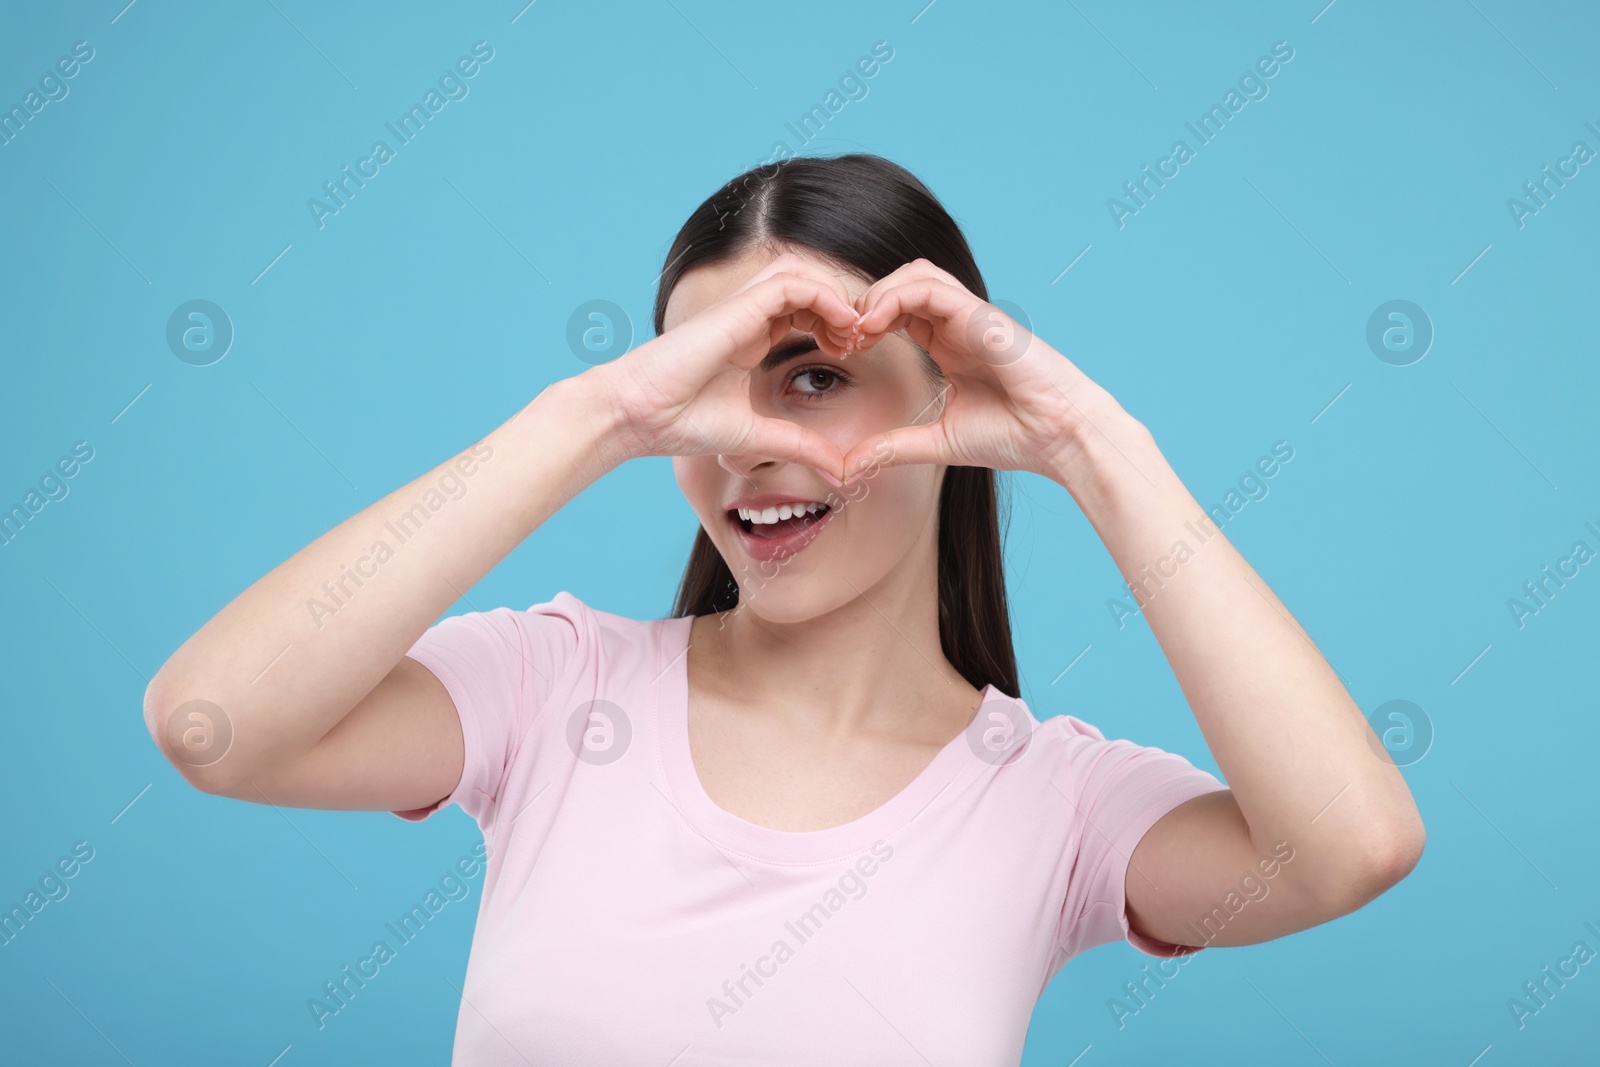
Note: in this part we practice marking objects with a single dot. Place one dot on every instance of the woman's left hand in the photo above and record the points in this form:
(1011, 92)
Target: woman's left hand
(1011, 402)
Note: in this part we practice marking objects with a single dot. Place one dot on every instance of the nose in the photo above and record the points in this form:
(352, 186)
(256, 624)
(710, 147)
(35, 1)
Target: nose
(745, 466)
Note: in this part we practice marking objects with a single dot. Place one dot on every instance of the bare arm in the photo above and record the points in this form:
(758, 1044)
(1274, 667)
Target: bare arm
(1304, 768)
(307, 667)
(1308, 778)
(308, 664)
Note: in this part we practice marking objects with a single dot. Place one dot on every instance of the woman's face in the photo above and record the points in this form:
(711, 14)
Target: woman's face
(882, 526)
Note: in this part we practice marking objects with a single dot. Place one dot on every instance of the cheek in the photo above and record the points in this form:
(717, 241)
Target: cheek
(698, 479)
(848, 424)
(898, 503)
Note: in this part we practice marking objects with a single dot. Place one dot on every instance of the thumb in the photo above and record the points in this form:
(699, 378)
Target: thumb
(898, 447)
(793, 443)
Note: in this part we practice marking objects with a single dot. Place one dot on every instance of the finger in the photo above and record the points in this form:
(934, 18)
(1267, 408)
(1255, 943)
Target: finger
(793, 443)
(800, 267)
(745, 323)
(785, 294)
(919, 330)
(974, 335)
(845, 342)
(939, 316)
(902, 446)
(829, 340)
(908, 272)
(924, 298)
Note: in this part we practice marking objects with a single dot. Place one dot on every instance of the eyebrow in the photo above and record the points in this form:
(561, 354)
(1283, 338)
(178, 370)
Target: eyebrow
(787, 351)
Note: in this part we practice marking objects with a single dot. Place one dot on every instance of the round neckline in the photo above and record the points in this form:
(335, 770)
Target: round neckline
(735, 834)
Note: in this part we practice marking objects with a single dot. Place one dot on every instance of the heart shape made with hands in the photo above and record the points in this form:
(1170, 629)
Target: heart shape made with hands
(996, 408)
(974, 419)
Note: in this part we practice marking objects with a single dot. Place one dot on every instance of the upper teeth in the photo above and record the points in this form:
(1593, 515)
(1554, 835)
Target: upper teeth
(782, 511)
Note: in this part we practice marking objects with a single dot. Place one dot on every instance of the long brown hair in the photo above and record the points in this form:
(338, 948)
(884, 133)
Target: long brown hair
(871, 216)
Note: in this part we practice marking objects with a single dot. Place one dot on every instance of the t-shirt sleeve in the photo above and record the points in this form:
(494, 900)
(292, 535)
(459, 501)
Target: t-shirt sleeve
(1119, 790)
(499, 667)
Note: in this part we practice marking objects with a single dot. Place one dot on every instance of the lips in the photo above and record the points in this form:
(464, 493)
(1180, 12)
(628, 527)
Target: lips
(780, 540)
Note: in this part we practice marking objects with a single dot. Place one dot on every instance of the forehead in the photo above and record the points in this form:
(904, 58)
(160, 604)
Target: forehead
(700, 287)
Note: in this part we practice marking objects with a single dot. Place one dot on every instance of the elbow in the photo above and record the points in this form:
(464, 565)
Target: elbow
(154, 703)
(1404, 850)
(1386, 858)
(1347, 871)
(193, 735)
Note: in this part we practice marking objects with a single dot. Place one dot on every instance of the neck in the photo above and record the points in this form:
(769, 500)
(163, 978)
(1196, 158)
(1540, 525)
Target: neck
(871, 665)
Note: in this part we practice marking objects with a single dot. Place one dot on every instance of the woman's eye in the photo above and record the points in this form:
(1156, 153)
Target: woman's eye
(816, 381)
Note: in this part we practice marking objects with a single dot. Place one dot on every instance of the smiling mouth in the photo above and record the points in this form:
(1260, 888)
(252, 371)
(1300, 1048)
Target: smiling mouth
(774, 524)
(771, 536)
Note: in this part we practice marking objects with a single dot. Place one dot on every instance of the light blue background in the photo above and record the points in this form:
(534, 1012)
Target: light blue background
(1226, 315)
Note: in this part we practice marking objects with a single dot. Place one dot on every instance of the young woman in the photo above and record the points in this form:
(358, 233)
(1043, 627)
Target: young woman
(806, 819)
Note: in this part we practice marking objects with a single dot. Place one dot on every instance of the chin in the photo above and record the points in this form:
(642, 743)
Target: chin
(789, 599)
(803, 587)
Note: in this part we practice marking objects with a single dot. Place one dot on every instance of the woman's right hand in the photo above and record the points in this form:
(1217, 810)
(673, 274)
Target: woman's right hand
(687, 392)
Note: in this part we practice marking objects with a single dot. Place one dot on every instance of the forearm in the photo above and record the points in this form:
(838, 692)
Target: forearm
(290, 656)
(1295, 749)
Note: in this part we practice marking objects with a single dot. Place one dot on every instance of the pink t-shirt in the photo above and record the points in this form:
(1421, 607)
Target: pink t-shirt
(626, 919)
